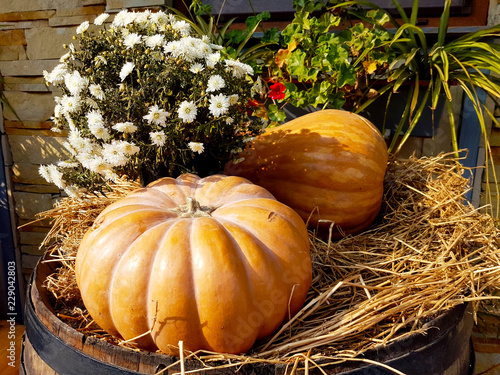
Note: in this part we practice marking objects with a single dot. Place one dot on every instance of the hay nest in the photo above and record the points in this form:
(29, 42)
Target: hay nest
(427, 252)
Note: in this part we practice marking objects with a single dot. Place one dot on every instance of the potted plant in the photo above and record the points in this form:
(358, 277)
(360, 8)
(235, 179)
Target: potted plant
(352, 68)
(144, 97)
(355, 55)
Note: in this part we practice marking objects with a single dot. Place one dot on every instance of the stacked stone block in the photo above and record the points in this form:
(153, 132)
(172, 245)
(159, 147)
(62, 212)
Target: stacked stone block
(32, 35)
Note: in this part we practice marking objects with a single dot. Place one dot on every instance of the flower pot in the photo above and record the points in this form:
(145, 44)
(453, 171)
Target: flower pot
(392, 112)
(51, 347)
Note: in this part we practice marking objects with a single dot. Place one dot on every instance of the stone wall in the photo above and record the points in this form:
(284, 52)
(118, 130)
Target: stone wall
(32, 34)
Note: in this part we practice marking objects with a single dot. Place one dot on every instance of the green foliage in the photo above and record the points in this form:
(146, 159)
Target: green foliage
(327, 69)
(142, 95)
(471, 61)
(238, 44)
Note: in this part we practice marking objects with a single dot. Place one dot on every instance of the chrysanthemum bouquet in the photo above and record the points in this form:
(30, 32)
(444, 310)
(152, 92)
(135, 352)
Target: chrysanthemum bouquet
(142, 97)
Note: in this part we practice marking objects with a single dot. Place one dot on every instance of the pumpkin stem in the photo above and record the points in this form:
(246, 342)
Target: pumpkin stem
(193, 209)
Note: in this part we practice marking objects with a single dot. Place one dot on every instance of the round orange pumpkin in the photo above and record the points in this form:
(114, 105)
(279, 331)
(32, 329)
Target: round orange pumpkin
(217, 263)
(328, 165)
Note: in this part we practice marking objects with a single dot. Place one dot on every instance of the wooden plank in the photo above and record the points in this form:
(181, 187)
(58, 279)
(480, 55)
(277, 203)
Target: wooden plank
(33, 364)
(5, 346)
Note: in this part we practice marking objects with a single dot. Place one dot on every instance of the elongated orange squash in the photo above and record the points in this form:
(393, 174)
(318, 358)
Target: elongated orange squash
(216, 263)
(329, 166)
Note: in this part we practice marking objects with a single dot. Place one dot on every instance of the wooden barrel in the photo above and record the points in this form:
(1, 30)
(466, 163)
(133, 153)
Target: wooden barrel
(51, 347)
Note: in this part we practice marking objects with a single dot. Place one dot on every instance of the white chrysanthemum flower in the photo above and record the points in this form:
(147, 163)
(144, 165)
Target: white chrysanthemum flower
(233, 99)
(67, 164)
(219, 104)
(75, 82)
(56, 76)
(95, 118)
(213, 59)
(158, 138)
(187, 111)
(100, 60)
(56, 176)
(154, 41)
(74, 191)
(100, 19)
(70, 104)
(215, 82)
(91, 103)
(70, 148)
(196, 147)
(70, 121)
(142, 18)
(194, 48)
(97, 164)
(111, 175)
(156, 115)
(171, 18)
(123, 18)
(113, 155)
(182, 27)
(125, 127)
(76, 141)
(84, 158)
(229, 120)
(158, 18)
(97, 92)
(99, 131)
(126, 70)
(131, 40)
(196, 68)
(55, 129)
(128, 148)
(58, 110)
(174, 48)
(44, 172)
(84, 26)
(67, 56)
(239, 69)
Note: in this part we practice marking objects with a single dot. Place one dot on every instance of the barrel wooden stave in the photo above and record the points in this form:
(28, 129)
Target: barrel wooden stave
(452, 328)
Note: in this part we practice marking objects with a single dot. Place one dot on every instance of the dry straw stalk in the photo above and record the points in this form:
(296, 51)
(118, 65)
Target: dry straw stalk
(428, 252)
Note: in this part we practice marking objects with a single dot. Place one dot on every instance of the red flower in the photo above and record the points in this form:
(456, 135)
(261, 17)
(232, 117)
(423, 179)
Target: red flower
(252, 106)
(277, 91)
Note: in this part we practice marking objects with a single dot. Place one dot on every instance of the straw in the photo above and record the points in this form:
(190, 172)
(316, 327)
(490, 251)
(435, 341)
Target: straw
(428, 251)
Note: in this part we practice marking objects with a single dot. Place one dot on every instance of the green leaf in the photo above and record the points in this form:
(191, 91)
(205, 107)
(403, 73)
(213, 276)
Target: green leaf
(236, 36)
(298, 4)
(336, 100)
(414, 12)
(318, 94)
(276, 114)
(271, 35)
(253, 21)
(292, 32)
(415, 119)
(347, 76)
(378, 17)
(296, 65)
(453, 127)
(443, 23)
